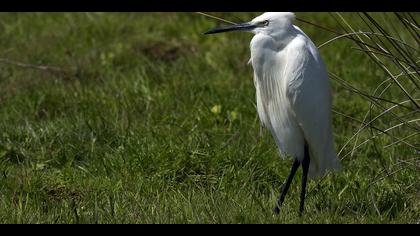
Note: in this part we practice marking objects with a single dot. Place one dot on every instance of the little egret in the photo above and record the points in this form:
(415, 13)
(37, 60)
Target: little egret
(293, 95)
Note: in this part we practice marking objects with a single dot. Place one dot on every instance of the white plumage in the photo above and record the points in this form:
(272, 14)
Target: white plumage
(293, 92)
(293, 95)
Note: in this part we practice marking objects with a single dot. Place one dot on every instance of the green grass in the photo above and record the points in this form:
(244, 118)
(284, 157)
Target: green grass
(152, 122)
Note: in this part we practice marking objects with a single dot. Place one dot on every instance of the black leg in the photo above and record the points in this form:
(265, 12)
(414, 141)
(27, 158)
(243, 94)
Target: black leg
(286, 186)
(305, 168)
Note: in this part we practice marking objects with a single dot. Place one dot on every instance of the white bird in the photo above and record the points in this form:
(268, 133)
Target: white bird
(293, 95)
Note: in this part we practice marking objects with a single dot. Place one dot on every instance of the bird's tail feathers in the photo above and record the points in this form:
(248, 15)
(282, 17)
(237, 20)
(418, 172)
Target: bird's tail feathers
(330, 163)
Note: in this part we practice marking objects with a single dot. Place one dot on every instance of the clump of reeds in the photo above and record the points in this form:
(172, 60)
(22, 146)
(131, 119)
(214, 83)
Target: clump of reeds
(391, 41)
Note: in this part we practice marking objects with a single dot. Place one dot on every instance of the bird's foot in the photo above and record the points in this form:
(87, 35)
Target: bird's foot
(276, 210)
(300, 212)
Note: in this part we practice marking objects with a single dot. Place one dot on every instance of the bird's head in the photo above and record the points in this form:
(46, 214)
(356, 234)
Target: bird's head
(266, 23)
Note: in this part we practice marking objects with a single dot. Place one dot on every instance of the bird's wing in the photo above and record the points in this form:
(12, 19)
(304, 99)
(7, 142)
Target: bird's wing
(309, 96)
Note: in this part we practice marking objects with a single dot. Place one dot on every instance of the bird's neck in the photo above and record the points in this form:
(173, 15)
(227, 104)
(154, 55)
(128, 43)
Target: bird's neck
(266, 45)
(275, 40)
(283, 36)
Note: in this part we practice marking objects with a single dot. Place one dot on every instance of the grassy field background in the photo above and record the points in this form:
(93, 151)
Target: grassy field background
(149, 121)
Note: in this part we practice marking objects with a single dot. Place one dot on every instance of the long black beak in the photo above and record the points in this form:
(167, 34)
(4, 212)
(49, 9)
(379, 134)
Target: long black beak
(237, 27)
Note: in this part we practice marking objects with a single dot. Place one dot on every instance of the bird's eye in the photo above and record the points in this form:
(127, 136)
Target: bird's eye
(264, 23)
